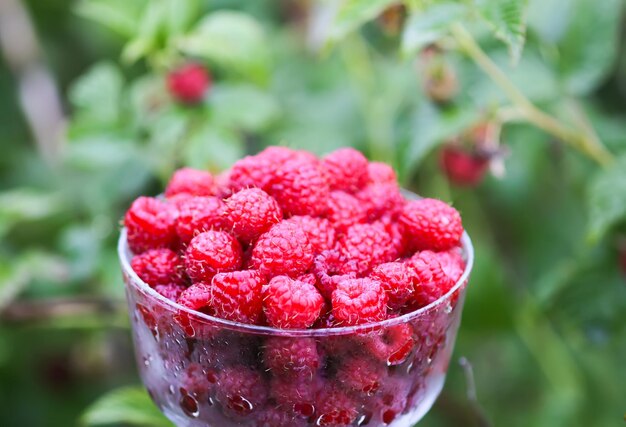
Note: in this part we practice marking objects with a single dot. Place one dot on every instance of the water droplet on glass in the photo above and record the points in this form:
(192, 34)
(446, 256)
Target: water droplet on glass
(147, 360)
(429, 361)
(448, 309)
(172, 389)
(189, 405)
(240, 404)
(364, 419)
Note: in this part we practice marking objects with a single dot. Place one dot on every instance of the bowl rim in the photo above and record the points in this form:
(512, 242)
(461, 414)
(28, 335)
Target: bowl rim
(124, 254)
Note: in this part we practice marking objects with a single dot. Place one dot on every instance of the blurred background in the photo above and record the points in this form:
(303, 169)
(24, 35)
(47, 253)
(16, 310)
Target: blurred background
(512, 110)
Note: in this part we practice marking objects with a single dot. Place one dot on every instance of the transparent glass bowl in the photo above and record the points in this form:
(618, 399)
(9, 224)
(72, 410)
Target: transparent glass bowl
(205, 371)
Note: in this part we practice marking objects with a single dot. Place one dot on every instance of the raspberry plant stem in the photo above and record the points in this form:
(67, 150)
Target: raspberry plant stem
(582, 139)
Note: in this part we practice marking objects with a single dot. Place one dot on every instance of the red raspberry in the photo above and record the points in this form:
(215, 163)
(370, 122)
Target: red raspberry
(399, 240)
(296, 393)
(357, 301)
(210, 253)
(329, 267)
(391, 345)
(291, 304)
(251, 212)
(367, 245)
(319, 231)
(159, 267)
(197, 215)
(308, 278)
(189, 83)
(279, 154)
(432, 224)
(272, 416)
(237, 296)
(251, 171)
(195, 382)
(291, 356)
(432, 279)
(300, 188)
(462, 166)
(334, 407)
(150, 224)
(284, 249)
(345, 210)
(222, 183)
(380, 199)
(381, 173)
(346, 169)
(197, 297)
(360, 374)
(170, 291)
(391, 400)
(397, 281)
(240, 390)
(452, 264)
(192, 182)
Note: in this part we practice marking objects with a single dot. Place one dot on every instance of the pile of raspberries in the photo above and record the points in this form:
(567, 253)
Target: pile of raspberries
(288, 240)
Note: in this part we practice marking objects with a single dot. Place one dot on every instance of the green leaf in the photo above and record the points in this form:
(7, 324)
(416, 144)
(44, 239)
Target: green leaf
(129, 405)
(428, 26)
(181, 14)
(233, 41)
(26, 204)
(354, 13)
(151, 25)
(607, 200)
(96, 94)
(212, 148)
(243, 107)
(507, 19)
(120, 16)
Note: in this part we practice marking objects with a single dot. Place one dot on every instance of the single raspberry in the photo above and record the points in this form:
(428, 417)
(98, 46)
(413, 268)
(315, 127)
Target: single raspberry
(249, 172)
(222, 183)
(345, 210)
(391, 400)
(272, 416)
(462, 166)
(300, 188)
(360, 374)
(319, 231)
(346, 169)
(329, 268)
(381, 173)
(159, 267)
(197, 297)
(296, 393)
(435, 274)
(237, 296)
(197, 215)
(367, 245)
(380, 199)
(279, 154)
(240, 390)
(195, 382)
(357, 301)
(284, 249)
(334, 407)
(452, 263)
(391, 345)
(189, 83)
(251, 212)
(291, 304)
(308, 278)
(399, 239)
(397, 281)
(192, 182)
(150, 224)
(291, 356)
(210, 253)
(170, 291)
(431, 224)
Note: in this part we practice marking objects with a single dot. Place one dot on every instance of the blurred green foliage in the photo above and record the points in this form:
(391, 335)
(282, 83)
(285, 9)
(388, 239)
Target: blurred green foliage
(545, 319)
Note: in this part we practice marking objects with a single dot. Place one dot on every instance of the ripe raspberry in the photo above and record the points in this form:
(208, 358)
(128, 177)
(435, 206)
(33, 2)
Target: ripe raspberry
(251, 171)
(367, 245)
(380, 199)
(462, 166)
(345, 210)
(452, 264)
(197, 297)
(391, 400)
(192, 182)
(195, 382)
(170, 291)
(296, 393)
(222, 182)
(357, 301)
(210, 253)
(431, 224)
(237, 296)
(300, 188)
(159, 267)
(308, 278)
(189, 83)
(391, 345)
(329, 267)
(291, 356)
(291, 304)
(381, 173)
(435, 274)
(251, 212)
(397, 280)
(240, 390)
(399, 240)
(284, 249)
(150, 224)
(197, 215)
(346, 169)
(319, 231)
(360, 374)
(334, 407)
(272, 416)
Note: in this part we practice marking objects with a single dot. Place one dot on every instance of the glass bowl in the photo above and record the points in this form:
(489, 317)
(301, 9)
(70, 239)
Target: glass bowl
(205, 371)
